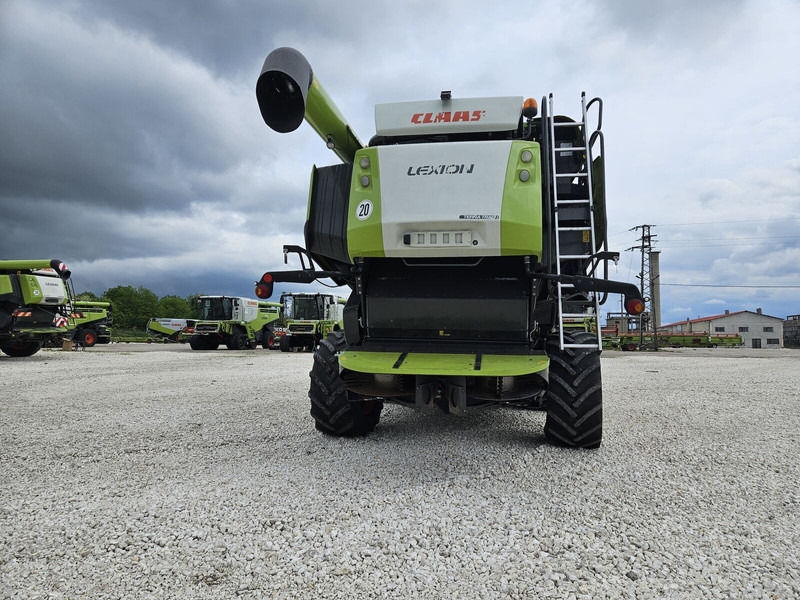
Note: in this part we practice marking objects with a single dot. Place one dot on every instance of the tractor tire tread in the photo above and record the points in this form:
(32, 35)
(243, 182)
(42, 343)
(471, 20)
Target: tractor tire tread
(574, 395)
(333, 411)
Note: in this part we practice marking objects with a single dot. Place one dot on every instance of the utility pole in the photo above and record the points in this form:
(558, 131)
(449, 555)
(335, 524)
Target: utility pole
(646, 283)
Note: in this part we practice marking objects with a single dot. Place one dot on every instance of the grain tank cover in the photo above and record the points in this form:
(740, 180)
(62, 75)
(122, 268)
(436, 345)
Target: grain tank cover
(458, 115)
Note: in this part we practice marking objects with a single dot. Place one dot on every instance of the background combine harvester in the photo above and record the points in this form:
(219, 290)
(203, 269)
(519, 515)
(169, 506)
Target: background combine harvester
(468, 230)
(237, 322)
(309, 319)
(34, 305)
(92, 321)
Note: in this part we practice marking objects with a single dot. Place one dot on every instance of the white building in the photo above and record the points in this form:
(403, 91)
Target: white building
(757, 329)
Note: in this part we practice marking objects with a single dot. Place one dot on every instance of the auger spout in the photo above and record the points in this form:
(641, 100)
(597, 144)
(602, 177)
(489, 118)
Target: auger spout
(287, 92)
(59, 267)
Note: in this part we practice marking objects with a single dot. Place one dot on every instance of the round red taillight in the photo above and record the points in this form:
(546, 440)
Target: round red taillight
(267, 277)
(634, 306)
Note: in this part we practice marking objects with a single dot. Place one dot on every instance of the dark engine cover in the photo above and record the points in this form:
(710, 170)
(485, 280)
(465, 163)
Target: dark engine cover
(326, 228)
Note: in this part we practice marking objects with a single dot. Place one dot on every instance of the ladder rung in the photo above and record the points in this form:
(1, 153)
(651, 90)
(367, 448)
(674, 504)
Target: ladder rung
(595, 346)
(571, 149)
(571, 174)
(575, 256)
(568, 124)
(574, 228)
(584, 201)
(578, 315)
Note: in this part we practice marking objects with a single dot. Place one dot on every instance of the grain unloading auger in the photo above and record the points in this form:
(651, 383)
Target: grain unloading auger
(469, 230)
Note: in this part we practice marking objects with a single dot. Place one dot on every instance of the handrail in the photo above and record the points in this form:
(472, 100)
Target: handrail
(599, 101)
(547, 247)
(597, 134)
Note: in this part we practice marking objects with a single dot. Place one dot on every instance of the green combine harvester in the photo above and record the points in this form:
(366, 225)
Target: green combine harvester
(311, 317)
(34, 305)
(468, 230)
(92, 320)
(173, 330)
(238, 323)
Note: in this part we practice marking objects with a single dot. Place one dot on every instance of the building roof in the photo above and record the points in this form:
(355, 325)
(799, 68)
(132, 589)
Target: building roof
(704, 319)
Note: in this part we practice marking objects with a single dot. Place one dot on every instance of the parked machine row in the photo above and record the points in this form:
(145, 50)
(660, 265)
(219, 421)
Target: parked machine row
(297, 323)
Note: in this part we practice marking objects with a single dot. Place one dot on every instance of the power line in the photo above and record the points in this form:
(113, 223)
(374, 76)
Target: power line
(763, 237)
(715, 285)
(724, 222)
(715, 223)
(723, 245)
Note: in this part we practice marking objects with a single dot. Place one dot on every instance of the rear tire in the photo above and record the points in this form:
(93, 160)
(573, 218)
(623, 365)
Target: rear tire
(284, 344)
(238, 341)
(333, 411)
(203, 342)
(22, 349)
(267, 338)
(574, 394)
(87, 337)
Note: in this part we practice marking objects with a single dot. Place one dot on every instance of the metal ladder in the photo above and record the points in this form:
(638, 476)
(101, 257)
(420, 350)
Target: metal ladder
(563, 288)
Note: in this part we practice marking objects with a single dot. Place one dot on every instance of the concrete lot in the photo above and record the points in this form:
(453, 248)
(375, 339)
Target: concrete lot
(155, 471)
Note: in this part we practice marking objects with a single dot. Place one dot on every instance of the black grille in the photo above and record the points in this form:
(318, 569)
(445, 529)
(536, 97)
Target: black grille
(448, 302)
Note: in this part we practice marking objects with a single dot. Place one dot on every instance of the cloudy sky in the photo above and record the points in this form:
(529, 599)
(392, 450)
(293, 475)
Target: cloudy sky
(133, 149)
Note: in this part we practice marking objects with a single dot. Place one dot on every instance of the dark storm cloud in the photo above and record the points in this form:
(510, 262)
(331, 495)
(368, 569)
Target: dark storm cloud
(117, 129)
(91, 233)
(230, 38)
(132, 143)
(112, 144)
(203, 279)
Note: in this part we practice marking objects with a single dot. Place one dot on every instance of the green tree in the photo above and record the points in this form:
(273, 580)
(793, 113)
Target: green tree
(132, 306)
(87, 296)
(174, 307)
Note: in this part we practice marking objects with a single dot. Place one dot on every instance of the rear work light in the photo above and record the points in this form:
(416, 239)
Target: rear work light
(634, 306)
(264, 287)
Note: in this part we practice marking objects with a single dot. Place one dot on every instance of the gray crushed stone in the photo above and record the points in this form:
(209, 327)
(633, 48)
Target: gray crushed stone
(157, 472)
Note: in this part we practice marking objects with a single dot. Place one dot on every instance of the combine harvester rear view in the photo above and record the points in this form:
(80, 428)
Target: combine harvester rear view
(469, 231)
(34, 305)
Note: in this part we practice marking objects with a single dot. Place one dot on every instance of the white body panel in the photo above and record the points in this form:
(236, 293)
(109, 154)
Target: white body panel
(431, 190)
(173, 324)
(250, 309)
(333, 310)
(459, 115)
(243, 309)
(54, 292)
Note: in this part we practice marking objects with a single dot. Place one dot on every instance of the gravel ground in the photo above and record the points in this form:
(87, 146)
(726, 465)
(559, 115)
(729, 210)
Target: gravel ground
(138, 472)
